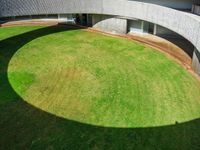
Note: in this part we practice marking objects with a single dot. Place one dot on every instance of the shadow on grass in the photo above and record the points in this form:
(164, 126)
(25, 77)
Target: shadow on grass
(23, 126)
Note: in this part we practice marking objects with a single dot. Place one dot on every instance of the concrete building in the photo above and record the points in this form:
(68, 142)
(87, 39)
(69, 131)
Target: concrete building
(166, 18)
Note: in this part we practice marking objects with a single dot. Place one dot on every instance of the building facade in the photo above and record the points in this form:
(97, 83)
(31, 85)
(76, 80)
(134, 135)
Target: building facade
(175, 18)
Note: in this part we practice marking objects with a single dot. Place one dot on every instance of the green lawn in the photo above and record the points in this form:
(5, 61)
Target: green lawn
(64, 88)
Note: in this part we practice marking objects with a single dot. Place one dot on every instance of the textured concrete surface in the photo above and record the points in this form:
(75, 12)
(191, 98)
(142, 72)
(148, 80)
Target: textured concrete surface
(109, 24)
(196, 61)
(185, 24)
(177, 4)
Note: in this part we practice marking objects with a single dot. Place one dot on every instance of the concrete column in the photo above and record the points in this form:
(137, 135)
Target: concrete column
(142, 26)
(145, 26)
(196, 61)
(155, 29)
(196, 9)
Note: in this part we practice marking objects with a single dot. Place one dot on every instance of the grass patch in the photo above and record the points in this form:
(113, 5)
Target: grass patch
(80, 83)
(103, 81)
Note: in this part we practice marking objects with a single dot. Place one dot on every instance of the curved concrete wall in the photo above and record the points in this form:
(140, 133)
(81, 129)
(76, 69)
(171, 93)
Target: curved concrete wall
(177, 4)
(187, 25)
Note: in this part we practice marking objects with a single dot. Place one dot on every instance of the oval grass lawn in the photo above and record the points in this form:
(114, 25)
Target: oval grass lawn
(105, 81)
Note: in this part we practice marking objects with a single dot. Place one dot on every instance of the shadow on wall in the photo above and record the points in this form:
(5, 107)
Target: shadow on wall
(23, 126)
(181, 42)
(2, 22)
(178, 4)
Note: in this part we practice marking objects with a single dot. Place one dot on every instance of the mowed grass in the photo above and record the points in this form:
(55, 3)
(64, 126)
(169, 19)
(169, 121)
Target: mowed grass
(102, 81)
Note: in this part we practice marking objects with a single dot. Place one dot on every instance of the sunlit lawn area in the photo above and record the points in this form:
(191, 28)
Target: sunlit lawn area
(74, 89)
